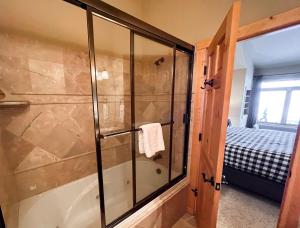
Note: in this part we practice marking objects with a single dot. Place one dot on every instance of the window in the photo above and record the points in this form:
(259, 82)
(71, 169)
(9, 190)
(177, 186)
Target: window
(271, 105)
(294, 108)
(279, 102)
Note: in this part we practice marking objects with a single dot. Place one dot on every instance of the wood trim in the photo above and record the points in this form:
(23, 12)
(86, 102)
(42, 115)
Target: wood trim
(266, 25)
(270, 24)
(197, 114)
(290, 207)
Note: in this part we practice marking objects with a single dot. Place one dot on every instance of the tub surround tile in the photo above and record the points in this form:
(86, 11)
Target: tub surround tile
(116, 141)
(168, 214)
(40, 127)
(14, 73)
(20, 121)
(36, 158)
(15, 148)
(8, 190)
(76, 71)
(116, 155)
(47, 77)
(11, 214)
(51, 142)
(58, 124)
(59, 141)
(42, 179)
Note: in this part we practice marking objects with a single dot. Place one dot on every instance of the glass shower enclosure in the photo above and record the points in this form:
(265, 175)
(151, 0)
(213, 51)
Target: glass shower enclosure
(76, 89)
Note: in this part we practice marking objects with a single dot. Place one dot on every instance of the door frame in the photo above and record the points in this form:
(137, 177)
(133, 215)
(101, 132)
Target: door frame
(267, 25)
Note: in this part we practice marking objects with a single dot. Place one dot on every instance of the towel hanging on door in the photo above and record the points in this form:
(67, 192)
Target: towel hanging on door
(151, 139)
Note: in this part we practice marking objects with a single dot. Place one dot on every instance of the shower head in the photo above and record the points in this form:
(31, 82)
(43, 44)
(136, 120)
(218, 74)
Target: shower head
(159, 61)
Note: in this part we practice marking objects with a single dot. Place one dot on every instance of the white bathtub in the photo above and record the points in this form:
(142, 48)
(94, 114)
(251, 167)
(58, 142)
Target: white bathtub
(75, 205)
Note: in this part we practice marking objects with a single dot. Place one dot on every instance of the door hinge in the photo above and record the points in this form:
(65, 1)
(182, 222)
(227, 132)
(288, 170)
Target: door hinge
(204, 70)
(224, 179)
(186, 118)
(200, 136)
(218, 186)
(195, 191)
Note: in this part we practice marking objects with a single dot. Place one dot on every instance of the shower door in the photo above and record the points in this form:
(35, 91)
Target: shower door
(153, 89)
(111, 60)
(137, 79)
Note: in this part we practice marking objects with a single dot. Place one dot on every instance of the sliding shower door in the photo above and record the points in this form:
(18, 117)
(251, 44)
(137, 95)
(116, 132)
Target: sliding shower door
(135, 80)
(112, 63)
(153, 86)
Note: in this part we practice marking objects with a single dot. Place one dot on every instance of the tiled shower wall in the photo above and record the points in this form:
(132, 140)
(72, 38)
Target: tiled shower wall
(51, 142)
(153, 88)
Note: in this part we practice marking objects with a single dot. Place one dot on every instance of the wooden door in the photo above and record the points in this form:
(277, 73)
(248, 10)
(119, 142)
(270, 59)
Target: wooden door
(220, 59)
(290, 207)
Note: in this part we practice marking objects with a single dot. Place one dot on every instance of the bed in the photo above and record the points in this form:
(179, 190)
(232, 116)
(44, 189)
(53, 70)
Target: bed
(258, 160)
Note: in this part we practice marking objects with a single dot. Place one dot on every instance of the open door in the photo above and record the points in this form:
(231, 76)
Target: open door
(290, 207)
(217, 86)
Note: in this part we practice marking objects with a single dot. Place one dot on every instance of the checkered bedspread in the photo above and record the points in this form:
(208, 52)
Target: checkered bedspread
(266, 153)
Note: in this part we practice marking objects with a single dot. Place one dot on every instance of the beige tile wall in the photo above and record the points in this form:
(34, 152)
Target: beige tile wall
(51, 142)
(153, 100)
(153, 89)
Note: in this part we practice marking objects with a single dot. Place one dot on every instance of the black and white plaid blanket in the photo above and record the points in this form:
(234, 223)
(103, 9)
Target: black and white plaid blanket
(266, 153)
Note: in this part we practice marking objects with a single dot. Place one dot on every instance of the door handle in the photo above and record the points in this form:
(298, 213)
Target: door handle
(208, 180)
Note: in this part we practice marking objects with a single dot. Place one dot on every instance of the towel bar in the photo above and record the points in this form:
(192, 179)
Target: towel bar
(128, 131)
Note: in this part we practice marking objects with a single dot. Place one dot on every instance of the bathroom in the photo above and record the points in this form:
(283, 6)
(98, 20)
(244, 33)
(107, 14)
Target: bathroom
(115, 113)
(76, 83)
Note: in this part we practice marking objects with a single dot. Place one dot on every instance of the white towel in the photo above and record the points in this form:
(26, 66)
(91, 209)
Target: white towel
(151, 139)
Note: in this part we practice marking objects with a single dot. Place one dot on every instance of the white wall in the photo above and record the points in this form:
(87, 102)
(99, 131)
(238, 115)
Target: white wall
(194, 20)
(291, 69)
(241, 82)
(237, 96)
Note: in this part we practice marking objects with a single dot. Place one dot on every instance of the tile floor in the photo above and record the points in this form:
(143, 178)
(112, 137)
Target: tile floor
(239, 209)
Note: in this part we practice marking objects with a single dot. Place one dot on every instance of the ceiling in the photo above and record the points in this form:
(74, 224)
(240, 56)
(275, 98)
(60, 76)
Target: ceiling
(276, 49)
(60, 21)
